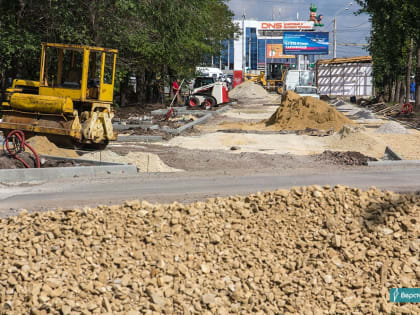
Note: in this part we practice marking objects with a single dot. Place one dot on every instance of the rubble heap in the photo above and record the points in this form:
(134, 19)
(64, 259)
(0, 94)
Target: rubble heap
(305, 251)
(299, 113)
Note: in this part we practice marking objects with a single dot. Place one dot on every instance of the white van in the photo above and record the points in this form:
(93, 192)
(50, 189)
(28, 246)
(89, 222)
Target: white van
(214, 73)
(296, 78)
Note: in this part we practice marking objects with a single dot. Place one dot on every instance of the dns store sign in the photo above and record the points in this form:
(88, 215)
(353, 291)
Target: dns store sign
(287, 26)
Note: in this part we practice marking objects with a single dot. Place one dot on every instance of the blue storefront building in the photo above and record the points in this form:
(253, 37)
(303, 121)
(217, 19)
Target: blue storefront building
(260, 46)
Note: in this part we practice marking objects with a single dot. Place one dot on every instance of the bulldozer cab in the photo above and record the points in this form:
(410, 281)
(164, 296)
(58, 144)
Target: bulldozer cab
(82, 73)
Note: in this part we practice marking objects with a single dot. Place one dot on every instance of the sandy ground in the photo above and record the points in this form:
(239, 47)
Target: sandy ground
(367, 142)
(269, 144)
(252, 113)
(407, 145)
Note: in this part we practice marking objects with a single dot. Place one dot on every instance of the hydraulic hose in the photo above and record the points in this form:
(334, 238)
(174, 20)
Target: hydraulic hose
(15, 144)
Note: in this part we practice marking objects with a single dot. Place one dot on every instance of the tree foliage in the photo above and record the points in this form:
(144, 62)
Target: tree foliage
(394, 24)
(154, 37)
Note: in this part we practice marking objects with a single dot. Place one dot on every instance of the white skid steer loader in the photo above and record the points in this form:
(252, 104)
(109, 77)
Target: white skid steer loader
(209, 95)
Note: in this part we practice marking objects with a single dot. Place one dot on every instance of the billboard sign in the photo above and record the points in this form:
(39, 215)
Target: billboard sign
(275, 51)
(306, 43)
(287, 25)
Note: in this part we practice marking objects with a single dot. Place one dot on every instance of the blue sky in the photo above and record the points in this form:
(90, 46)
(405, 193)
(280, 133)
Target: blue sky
(350, 28)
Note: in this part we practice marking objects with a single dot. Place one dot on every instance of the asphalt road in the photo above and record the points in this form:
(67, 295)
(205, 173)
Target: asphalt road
(187, 188)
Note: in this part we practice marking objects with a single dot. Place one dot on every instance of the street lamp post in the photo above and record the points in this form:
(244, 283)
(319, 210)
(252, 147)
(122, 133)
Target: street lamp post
(335, 28)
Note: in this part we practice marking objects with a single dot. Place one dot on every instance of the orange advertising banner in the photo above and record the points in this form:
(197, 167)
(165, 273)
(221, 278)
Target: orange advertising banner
(275, 51)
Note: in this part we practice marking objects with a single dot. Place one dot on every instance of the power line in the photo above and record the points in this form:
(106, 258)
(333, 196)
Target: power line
(356, 26)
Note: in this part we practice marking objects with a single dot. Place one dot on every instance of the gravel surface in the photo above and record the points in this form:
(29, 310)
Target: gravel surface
(392, 127)
(306, 251)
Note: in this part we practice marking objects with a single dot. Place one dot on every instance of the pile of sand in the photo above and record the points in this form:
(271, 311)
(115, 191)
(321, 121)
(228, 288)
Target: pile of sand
(43, 146)
(249, 90)
(299, 113)
(145, 162)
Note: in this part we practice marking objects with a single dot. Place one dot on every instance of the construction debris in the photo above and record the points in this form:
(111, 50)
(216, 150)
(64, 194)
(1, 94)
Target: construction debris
(345, 158)
(306, 251)
(8, 162)
(299, 113)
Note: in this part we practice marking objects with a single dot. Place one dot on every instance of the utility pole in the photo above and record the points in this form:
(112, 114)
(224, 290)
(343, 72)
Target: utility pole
(243, 43)
(335, 39)
(335, 28)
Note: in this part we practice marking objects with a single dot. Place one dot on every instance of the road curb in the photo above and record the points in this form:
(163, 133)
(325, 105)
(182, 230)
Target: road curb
(198, 121)
(184, 111)
(395, 163)
(98, 169)
(139, 139)
(189, 125)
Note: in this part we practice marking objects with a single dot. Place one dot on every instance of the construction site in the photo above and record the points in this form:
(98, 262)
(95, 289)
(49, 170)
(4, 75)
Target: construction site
(196, 239)
(140, 180)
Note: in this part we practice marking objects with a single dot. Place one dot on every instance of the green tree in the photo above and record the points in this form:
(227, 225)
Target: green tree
(395, 34)
(155, 37)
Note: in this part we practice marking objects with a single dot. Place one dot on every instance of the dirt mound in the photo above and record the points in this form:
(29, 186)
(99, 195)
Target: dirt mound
(306, 251)
(145, 162)
(249, 90)
(344, 158)
(299, 113)
(45, 147)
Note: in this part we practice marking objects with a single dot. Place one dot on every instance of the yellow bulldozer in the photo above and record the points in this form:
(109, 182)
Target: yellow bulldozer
(271, 85)
(72, 99)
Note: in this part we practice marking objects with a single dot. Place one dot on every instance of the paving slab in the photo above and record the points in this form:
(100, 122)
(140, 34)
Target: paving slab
(122, 127)
(356, 113)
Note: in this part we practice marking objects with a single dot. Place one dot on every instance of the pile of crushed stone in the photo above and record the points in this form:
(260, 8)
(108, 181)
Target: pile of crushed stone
(344, 158)
(145, 162)
(392, 127)
(43, 146)
(249, 90)
(312, 250)
(299, 113)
